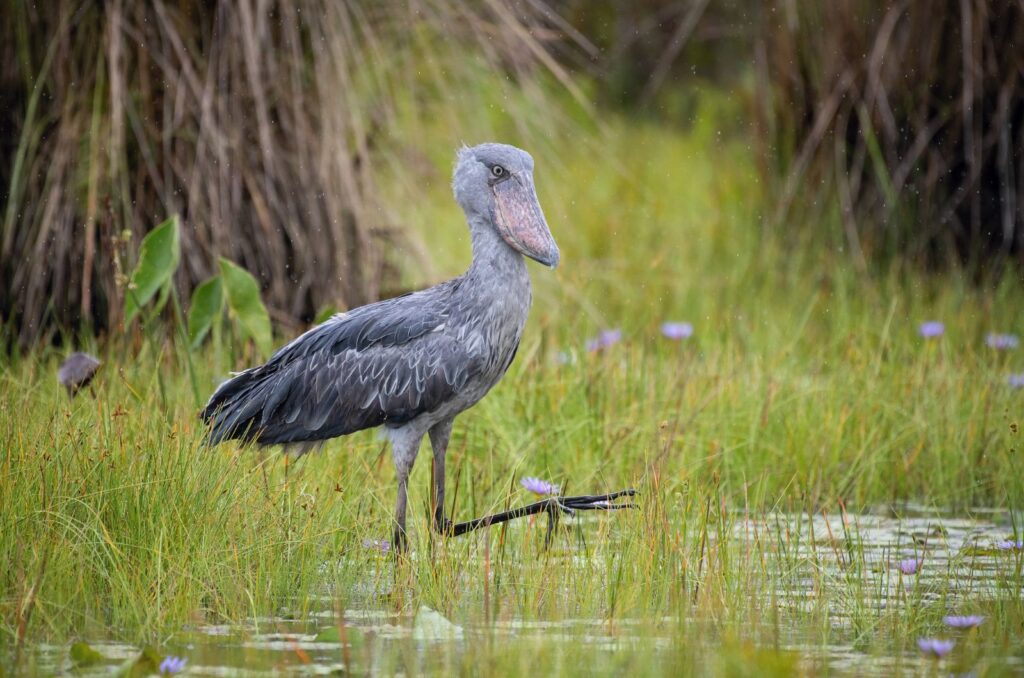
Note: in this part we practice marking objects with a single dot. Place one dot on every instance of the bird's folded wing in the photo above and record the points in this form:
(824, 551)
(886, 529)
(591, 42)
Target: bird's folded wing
(384, 363)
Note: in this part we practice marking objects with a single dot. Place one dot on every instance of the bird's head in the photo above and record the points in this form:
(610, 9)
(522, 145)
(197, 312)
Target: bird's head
(494, 183)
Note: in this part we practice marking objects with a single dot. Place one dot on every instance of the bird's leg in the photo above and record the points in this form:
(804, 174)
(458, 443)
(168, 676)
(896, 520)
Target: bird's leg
(399, 537)
(439, 436)
(553, 511)
(404, 446)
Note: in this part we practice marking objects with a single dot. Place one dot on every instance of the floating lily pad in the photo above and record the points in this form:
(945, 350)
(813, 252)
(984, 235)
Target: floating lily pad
(82, 654)
(332, 634)
(329, 635)
(432, 625)
(145, 664)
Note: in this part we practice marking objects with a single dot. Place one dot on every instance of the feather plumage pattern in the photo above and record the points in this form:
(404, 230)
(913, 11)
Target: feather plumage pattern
(385, 363)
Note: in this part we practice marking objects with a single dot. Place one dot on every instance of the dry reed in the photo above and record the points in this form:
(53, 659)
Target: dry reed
(912, 112)
(259, 122)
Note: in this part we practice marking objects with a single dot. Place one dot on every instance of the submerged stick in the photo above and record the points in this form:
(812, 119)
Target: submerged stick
(588, 502)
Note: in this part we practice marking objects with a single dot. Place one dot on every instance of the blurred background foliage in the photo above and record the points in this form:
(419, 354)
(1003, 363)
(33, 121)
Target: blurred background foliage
(287, 135)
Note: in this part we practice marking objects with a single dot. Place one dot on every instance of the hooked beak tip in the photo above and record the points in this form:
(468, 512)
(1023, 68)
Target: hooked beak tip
(550, 260)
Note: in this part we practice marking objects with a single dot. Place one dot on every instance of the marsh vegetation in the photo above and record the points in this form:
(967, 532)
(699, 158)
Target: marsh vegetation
(826, 448)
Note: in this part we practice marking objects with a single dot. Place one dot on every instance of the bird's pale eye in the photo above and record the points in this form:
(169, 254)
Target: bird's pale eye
(498, 171)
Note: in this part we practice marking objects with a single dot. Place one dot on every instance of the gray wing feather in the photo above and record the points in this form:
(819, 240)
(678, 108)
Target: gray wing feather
(385, 363)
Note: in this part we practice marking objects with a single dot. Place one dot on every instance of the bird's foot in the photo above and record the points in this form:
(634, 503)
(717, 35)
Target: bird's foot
(443, 526)
(553, 506)
(596, 502)
(399, 542)
(561, 506)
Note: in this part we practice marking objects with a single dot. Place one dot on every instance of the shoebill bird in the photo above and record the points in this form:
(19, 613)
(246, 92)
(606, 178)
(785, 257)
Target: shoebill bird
(413, 363)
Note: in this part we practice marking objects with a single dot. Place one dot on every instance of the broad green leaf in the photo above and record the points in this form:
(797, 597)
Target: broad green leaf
(243, 295)
(158, 259)
(163, 296)
(325, 313)
(146, 663)
(83, 655)
(207, 303)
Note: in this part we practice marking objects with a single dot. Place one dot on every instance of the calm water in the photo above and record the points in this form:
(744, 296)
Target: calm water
(960, 563)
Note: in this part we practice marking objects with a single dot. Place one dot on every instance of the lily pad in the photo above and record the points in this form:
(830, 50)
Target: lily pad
(329, 635)
(145, 664)
(332, 634)
(82, 654)
(432, 625)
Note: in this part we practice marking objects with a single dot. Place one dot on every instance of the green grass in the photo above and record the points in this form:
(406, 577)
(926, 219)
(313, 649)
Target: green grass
(805, 389)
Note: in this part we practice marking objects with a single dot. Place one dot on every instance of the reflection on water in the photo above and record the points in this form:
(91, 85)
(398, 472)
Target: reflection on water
(958, 556)
(959, 562)
(920, 558)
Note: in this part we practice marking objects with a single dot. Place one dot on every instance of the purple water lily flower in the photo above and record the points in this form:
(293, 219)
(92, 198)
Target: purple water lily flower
(676, 331)
(538, 486)
(909, 565)
(382, 545)
(1002, 341)
(171, 665)
(1016, 380)
(931, 329)
(963, 622)
(603, 340)
(1010, 545)
(936, 647)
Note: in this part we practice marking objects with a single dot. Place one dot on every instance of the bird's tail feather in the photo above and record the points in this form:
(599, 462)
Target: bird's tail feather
(235, 407)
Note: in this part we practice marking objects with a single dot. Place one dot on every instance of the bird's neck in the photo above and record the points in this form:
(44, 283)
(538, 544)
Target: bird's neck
(497, 295)
(494, 260)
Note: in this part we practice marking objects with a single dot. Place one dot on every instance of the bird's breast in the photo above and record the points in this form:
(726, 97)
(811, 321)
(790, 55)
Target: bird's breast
(495, 331)
(494, 318)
